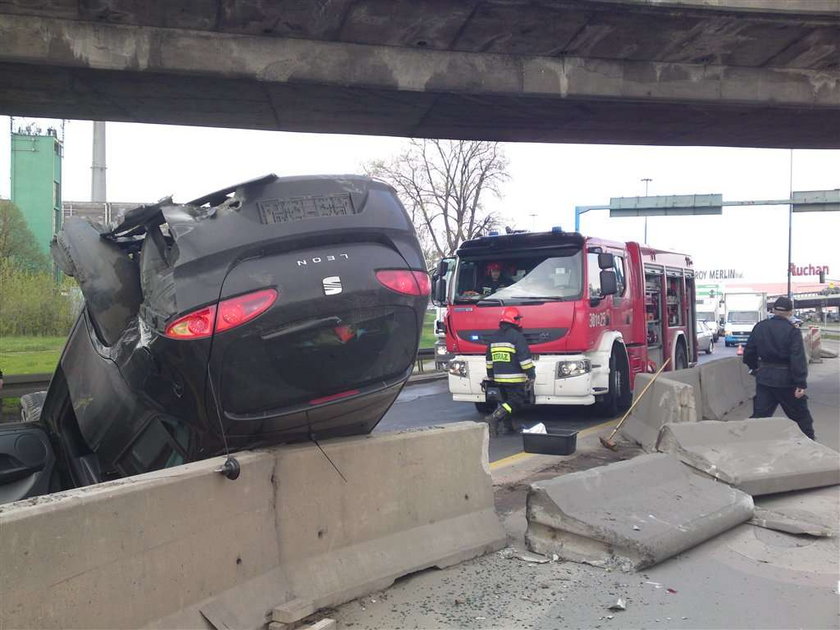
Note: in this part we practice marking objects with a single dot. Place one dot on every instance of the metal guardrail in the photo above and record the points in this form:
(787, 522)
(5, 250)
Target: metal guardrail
(423, 355)
(16, 385)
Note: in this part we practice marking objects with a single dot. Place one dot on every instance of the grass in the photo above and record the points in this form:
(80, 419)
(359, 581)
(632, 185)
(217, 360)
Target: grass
(30, 355)
(427, 339)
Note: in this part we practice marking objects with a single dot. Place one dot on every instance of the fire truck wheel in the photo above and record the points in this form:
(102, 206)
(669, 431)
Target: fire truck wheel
(485, 407)
(618, 398)
(680, 357)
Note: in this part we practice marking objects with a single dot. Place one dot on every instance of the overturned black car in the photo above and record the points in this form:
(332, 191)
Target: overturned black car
(277, 310)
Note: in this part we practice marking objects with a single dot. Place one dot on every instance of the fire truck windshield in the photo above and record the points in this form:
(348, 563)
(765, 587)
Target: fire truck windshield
(520, 278)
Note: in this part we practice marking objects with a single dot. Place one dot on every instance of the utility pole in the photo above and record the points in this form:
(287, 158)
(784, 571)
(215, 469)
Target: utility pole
(646, 180)
(790, 226)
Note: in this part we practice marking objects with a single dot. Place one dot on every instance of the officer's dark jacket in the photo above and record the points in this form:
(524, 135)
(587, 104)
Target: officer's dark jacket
(508, 357)
(776, 350)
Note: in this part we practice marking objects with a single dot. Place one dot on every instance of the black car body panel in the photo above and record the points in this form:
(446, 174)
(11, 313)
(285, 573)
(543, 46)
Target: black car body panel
(327, 357)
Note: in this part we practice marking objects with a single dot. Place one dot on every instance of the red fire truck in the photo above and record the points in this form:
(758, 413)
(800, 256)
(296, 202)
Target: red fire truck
(595, 313)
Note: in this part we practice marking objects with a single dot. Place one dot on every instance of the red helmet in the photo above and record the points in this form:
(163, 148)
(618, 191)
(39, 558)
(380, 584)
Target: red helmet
(494, 266)
(511, 315)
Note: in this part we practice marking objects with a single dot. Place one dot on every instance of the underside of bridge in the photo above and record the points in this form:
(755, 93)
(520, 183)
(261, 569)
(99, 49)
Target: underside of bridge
(758, 73)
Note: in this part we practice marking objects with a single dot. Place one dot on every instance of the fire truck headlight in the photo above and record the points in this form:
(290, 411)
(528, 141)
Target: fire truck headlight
(567, 369)
(459, 368)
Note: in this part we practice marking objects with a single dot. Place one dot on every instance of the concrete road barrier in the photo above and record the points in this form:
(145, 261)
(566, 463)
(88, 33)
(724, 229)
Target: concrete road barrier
(759, 456)
(814, 345)
(706, 392)
(631, 514)
(665, 401)
(184, 547)
(725, 386)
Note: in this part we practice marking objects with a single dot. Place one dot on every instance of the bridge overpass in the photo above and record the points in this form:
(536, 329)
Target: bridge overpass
(758, 73)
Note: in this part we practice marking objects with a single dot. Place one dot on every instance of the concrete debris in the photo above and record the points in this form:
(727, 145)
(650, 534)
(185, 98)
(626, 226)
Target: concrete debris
(793, 522)
(532, 559)
(827, 354)
(620, 604)
(758, 456)
(588, 516)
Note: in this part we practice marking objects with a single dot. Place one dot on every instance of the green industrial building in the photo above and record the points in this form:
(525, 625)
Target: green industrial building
(36, 182)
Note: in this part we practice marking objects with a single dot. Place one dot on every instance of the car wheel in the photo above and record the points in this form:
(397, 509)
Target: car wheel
(711, 347)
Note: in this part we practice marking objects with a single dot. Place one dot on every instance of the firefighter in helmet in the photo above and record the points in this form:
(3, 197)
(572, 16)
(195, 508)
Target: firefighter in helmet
(509, 364)
(494, 280)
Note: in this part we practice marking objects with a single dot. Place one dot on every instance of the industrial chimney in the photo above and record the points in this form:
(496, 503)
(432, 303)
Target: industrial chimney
(97, 187)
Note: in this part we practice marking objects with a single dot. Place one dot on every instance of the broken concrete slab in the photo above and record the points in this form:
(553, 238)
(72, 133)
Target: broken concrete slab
(665, 401)
(793, 521)
(758, 456)
(631, 514)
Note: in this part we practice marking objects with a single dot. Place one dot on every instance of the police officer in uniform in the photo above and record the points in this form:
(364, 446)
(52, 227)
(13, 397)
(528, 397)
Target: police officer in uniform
(775, 355)
(509, 364)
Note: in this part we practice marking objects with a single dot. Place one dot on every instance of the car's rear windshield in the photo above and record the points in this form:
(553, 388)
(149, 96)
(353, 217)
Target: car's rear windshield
(319, 358)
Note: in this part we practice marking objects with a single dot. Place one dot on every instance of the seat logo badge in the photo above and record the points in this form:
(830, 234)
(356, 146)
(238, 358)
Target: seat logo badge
(332, 285)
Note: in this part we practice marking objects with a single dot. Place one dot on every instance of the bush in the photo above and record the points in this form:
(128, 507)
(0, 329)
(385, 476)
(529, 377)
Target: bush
(33, 303)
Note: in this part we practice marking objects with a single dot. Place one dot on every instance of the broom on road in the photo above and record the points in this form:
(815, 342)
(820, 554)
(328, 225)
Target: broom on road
(608, 441)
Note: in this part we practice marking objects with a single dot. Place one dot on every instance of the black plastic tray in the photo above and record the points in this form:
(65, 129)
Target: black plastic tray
(557, 442)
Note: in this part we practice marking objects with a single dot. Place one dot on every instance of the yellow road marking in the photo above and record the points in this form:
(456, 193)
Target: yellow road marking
(512, 459)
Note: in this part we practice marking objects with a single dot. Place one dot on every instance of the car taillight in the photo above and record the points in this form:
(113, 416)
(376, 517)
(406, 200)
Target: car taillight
(228, 314)
(405, 281)
(238, 310)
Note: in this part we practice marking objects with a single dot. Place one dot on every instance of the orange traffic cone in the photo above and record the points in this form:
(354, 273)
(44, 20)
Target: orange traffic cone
(740, 351)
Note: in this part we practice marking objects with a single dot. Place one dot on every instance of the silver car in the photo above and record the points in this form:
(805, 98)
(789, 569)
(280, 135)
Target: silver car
(705, 337)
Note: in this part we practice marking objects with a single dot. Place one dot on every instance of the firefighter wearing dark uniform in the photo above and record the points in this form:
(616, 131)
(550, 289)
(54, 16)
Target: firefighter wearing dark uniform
(775, 355)
(509, 364)
(494, 279)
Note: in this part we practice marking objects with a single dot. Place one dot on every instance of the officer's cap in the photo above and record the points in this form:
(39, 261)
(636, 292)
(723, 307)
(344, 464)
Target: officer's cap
(783, 304)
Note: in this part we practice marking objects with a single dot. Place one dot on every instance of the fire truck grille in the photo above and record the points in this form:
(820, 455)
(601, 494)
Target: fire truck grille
(533, 336)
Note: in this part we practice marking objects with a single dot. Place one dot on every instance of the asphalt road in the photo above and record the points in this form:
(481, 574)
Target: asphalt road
(431, 404)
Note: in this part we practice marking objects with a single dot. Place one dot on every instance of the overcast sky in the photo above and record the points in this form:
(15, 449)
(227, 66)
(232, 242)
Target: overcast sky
(147, 162)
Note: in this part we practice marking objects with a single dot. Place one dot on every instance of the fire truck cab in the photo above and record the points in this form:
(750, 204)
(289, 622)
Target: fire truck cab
(595, 313)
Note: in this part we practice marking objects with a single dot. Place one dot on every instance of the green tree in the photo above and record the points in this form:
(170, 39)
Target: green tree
(17, 244)
(444, 184)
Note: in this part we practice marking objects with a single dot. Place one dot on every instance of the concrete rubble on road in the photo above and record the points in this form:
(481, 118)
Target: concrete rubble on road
(794, 522)
(758, 456)
(711, 391)
(631, 514)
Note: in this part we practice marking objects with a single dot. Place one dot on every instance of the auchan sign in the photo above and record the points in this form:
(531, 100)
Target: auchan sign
(808, 270)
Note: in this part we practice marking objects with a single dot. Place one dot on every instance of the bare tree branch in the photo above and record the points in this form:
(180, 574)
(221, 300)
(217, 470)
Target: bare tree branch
(443, 184)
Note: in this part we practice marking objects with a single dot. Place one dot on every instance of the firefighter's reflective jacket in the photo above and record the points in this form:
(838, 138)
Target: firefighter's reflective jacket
(508, 357)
